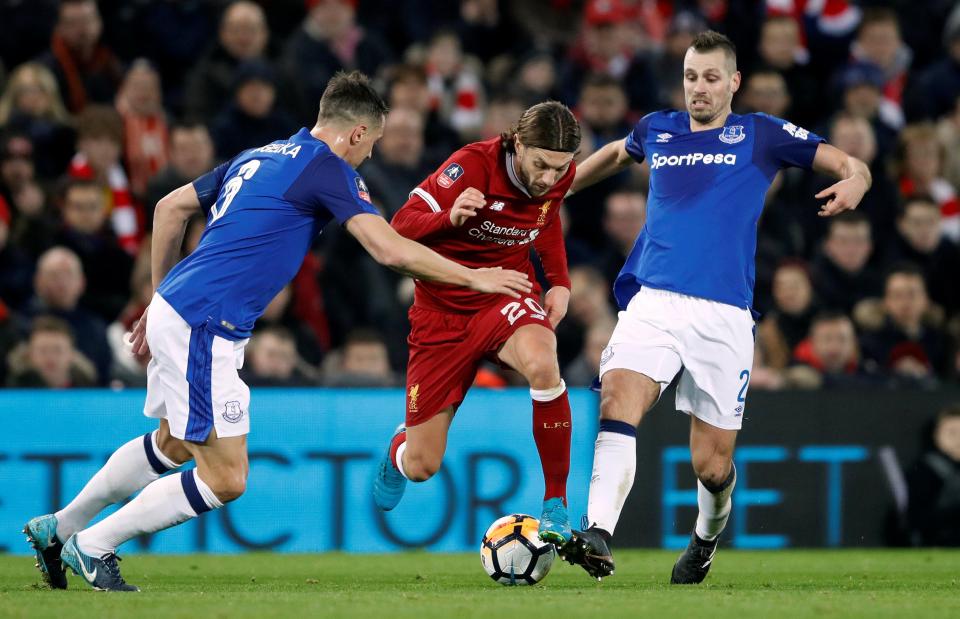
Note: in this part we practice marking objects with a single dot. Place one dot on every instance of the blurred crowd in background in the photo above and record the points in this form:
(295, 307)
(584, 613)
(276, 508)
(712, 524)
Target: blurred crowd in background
(107, 106)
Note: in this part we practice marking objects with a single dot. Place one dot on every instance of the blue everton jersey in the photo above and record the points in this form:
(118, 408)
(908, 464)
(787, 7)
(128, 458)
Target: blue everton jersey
(264, 208)
(706, 193)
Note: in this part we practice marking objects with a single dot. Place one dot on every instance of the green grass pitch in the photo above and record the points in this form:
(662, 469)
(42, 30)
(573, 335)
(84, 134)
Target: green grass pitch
(781, 584)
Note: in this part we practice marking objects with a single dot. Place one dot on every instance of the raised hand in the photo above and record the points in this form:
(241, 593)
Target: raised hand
(843, 195)
(466, 205)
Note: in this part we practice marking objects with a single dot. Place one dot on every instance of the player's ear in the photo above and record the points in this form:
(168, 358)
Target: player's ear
(735, 82)
(357, 134)
(518, 146)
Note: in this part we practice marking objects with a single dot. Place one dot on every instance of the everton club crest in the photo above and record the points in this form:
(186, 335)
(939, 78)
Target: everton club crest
(732, 134)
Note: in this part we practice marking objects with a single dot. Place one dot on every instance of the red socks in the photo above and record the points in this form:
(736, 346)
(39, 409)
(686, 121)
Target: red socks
(398, 440)
(551, 431)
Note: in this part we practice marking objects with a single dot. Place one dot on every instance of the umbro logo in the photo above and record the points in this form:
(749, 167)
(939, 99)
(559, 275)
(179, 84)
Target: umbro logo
(497, 206)
(663, 138)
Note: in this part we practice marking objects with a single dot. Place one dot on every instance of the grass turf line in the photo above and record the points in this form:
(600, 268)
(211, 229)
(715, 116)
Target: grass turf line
(781, 584)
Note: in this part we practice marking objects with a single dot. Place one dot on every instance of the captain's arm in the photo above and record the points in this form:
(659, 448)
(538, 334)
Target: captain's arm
(603, 163)
(832, 161)
(170, 219)
(390, 249)
(854, 179)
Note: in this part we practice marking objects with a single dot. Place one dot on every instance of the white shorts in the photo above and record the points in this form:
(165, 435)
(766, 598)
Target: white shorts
(662, 332)
(192, 379)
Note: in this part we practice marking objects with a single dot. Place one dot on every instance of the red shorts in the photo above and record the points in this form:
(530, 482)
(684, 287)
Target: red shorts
(446, 350)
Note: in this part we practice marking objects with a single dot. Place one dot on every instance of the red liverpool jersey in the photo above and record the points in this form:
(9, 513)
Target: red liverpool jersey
(499, 235)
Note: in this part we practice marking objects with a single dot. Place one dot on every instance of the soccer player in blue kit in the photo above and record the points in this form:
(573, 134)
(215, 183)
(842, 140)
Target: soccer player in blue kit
(686, 289)
(264, 208)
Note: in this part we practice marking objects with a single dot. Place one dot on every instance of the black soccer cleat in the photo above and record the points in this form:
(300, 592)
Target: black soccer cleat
(41, 533)
(590, 549)
(692, 566)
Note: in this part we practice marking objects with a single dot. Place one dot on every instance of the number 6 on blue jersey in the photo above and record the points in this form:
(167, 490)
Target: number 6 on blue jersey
(233, 186)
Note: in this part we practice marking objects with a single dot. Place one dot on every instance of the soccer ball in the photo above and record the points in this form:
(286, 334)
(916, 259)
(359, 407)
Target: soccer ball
(512, 554)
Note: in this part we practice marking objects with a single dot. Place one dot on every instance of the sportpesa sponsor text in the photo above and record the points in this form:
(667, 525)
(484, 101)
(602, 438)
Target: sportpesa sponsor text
(658, 161)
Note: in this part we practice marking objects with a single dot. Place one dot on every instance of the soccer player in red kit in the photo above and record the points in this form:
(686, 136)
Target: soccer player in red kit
(487, 205)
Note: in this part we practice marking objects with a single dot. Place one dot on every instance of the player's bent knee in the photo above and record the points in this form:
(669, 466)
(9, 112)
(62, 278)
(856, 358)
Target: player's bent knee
(229, 486)
(619, 406)
(172, 447)
(420, 467)
(543, 373)
(712, 471)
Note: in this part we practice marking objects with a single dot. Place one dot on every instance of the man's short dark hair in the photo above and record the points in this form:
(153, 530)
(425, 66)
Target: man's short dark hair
(189, 124)
(51, 324)
(950, 411)
(849, 218)
(829, 316)
(907, 269)
(917, 198)
(100, 121)
(601, 80)
(403, 73)
(364, 335)
(281, 333)
(350, 98)
(711, 40)
(877, 15)
(68, 183)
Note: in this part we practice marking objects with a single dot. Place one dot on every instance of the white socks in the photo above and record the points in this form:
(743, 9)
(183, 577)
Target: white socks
(400, 451)
(130, 468)
(714, 506)
(167, 501)
(614, 465)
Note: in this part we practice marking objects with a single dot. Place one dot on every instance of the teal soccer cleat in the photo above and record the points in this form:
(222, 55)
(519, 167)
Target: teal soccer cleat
(42, 534)
(102, 574)
(389, 485)
(554, 523)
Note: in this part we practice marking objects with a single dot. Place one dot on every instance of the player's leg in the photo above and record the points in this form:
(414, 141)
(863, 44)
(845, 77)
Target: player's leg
(130, 468)
(419, 456)
(711, 451)
(713, 391)
(440, 370)
(625, 397)
(635, 368)
(206, 406)
(532, 351)
(219, 477)
(415, 454)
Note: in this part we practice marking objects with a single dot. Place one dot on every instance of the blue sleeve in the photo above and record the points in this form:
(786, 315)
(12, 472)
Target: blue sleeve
(208, 185)
(780, 144)
(329, 183)
(634, 141)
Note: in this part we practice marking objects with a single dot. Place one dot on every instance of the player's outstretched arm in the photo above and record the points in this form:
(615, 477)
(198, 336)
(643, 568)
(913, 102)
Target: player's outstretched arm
(854, 175)
(411, 258)
(606, 162)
